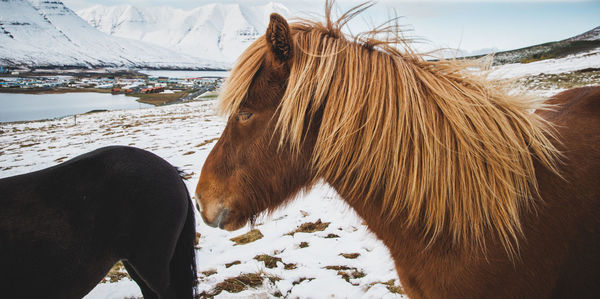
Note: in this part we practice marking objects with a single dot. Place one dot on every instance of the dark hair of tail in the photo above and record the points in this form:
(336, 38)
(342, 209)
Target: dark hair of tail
(183, 265)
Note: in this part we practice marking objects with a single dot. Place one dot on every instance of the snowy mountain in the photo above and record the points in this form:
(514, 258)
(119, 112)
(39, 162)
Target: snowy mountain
(214, 31)
(46, 33)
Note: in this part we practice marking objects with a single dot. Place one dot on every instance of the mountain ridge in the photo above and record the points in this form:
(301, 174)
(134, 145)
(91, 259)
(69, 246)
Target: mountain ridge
(215, 31)
(46, 33)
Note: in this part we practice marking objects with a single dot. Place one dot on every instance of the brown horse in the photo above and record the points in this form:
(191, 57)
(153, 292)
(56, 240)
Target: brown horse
(474, 196)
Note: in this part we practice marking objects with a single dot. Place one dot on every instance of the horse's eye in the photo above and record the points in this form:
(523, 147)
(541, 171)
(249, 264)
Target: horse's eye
(243, 116)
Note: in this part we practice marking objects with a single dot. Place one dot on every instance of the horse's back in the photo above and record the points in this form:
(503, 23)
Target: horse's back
(576, 119)
(66, 225)
(109, 178)
(570, 210)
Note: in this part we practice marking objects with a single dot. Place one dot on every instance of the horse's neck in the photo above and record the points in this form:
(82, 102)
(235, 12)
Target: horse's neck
(416, 260)
(393, 234)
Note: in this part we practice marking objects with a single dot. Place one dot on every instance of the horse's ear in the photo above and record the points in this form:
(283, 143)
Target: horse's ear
(279, 36)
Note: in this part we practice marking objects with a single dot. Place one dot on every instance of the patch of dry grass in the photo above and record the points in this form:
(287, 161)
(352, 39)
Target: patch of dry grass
(116, 273)
(61, 159)
(270, 261)
(158, 99)
(209, 272)
(310, 227)
(347, 273)
(197, 240)
(232, 264)
(29, 144)
(240, 283)
(248, 237)
(301, 279)
(350, 255)
(390, 285)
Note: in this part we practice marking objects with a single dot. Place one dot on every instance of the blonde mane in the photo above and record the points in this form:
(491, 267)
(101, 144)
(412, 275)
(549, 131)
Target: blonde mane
(442, 147)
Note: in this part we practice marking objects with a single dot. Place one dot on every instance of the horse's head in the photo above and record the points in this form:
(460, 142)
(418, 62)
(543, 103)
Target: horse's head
(247, 172)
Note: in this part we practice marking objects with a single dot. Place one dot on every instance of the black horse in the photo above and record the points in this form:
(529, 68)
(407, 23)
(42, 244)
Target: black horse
(64, 227)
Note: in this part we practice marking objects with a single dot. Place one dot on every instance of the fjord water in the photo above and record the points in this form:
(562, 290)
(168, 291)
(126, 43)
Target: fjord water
(24, 107)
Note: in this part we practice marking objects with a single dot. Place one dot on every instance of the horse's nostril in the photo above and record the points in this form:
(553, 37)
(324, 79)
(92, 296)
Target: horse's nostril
(197, 198)
(222, 216)
(218, 222)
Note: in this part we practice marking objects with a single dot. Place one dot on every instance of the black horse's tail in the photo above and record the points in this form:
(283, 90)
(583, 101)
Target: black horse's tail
(183, 265)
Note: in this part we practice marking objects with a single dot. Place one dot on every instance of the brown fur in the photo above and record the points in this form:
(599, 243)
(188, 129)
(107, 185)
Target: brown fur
(443, 166)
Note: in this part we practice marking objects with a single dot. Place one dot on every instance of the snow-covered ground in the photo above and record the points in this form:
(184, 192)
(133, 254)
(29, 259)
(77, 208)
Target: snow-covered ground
(551, 76)
(184, 135)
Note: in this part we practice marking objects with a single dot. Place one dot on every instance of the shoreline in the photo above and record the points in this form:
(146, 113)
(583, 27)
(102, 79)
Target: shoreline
(50, 90)
(156, 99)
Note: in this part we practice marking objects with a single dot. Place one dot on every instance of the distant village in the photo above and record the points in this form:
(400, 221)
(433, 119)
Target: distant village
(14, 80)
(150, 84)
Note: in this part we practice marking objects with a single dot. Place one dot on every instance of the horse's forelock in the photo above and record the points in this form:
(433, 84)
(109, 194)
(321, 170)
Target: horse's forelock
(237, 85)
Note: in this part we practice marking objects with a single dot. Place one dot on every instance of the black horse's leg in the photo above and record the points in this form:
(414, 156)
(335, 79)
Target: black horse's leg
(146, 290)
(155, 275)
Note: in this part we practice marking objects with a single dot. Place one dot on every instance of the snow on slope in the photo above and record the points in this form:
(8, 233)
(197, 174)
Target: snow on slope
(47, 33)
(214, 31)
(591, 35)
(549, 66)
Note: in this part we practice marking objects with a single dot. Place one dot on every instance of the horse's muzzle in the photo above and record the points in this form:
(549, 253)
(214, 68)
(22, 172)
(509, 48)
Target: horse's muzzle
(218, 222)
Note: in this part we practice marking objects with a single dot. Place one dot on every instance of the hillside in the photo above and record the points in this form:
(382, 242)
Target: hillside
(46, 33)
(552, 67)
(585, 42)
(214, 31)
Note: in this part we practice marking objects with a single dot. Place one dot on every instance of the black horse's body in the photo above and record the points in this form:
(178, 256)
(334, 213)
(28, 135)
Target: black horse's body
(63, 228)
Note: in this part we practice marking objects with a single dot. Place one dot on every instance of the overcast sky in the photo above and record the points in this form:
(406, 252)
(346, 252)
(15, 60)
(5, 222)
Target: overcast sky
(470, 25)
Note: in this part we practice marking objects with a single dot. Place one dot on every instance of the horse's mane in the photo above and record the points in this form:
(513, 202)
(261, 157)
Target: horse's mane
(444, 148)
